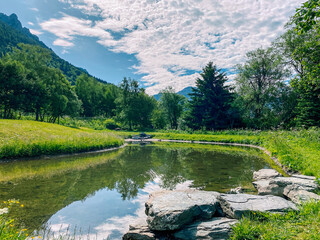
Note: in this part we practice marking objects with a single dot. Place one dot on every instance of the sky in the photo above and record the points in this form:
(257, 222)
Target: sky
(160, 43)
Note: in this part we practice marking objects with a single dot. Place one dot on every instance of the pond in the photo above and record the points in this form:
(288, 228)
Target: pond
(98, 195)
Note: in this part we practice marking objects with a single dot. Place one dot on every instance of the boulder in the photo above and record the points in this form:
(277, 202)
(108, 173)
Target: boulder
(265, 187)
(170, 210)
(300, 183)
(237, 205)
(299, 196)
(265, 174)
(304, 177)
(216, 228)
(276, 186)
(142, 232)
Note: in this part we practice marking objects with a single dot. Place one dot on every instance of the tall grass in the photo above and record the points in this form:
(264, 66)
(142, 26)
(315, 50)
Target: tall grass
(302, 225)
(19, 138)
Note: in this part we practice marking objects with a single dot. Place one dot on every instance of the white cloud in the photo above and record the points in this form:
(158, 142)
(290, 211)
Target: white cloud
(35, 32)
(63, 43)
(31, 23)
(35, 9)
(170, 36)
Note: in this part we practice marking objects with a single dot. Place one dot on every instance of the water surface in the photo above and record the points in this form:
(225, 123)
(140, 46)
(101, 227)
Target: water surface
(99, 195)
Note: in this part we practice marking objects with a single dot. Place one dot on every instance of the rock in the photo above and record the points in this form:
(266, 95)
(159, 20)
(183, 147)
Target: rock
(170, 210)
(277, 185)
(298, 196)
(139, 233)
(264, 187)
(265, 174)
(304, 177)
(300, 183)
(237, 205)
(142, 232)
(216, 228)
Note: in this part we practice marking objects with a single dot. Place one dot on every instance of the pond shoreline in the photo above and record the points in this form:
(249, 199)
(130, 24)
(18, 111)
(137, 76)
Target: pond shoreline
(266, 151)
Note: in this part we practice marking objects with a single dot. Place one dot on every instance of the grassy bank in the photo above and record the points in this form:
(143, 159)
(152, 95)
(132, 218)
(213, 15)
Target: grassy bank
(19, 138)
(302, 225)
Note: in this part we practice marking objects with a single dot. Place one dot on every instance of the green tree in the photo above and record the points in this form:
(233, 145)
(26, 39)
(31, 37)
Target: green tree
(12, 82)
(306, 25)
(211, 100)
(134, 106)
(172, 105)
(260, 86)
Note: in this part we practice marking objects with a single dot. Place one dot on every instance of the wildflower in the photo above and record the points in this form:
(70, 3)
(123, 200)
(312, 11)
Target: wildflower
(22, 205)
(3, 210)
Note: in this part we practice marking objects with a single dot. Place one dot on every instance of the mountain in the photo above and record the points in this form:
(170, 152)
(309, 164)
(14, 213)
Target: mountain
(12, 33)
(184, 92)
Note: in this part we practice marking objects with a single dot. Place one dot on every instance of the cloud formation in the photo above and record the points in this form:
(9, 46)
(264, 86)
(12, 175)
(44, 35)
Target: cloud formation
(173, 39)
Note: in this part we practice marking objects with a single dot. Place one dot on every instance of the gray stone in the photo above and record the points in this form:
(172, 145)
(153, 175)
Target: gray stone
(142, 232)
(300, 183)
(265, 174)
(170, 210)
(236, 190)
(216, 228)
(139, 232)
(264, 187)
(299, 196)
(304, 177)
(276, 186)
(237, 205)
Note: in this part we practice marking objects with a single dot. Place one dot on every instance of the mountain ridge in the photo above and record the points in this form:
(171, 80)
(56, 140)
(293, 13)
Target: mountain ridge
(12, 33)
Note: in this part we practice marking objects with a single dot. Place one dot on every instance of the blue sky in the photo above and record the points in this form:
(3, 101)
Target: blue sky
(161, 43)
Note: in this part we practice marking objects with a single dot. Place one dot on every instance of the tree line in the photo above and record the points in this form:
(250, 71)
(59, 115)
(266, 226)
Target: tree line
(276, 87)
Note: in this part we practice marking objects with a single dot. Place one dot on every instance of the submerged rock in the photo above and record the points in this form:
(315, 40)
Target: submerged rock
(237, 205)
(170, 210)
(265, 174)
(216, 228)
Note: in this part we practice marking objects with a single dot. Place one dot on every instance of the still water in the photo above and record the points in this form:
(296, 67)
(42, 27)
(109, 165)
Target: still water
(98, 195)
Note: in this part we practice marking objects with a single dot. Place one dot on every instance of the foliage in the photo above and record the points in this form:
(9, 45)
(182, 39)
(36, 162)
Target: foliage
(27, 138)
(305, 26)
(303, 224)
(97, 99)
(265, 99)
(210, 102)
(33, 87)
(9, 230)
(134, 106)
(172, 105)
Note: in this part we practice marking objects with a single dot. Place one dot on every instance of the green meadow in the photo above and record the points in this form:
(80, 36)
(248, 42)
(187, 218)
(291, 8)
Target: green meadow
(20, 138)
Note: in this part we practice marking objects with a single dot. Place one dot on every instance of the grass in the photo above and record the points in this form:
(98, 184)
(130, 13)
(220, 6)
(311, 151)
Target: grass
(20, 138)
(302, 225)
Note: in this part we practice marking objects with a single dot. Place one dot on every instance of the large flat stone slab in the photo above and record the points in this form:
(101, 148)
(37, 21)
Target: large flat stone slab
(306, 184)
(237, 205)
(263, 174)
(216, 228)
(171, 210)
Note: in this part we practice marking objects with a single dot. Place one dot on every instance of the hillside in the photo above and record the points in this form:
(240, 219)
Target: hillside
(12, 32)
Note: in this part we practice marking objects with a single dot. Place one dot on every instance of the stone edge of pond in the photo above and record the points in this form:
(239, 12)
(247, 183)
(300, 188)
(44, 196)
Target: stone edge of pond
(194, 214)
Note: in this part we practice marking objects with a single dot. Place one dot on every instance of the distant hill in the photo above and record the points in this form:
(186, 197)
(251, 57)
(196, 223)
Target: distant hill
(184, 92)
(12, 33)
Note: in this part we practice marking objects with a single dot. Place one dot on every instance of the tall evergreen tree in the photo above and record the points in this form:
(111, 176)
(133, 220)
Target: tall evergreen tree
(211, 100)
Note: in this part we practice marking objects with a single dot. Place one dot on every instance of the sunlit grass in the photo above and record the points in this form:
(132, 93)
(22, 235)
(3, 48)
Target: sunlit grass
(20, 138)
(302, 225)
